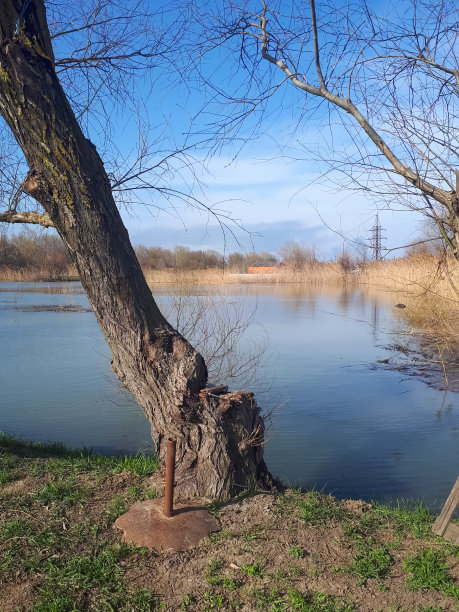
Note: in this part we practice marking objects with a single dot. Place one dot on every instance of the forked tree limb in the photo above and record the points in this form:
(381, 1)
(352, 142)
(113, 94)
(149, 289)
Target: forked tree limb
(215, 455)
(448, 199)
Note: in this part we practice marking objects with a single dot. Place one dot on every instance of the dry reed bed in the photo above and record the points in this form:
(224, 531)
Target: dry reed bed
(426, 284)
(31, 275)
(318, 273)
(428, 287)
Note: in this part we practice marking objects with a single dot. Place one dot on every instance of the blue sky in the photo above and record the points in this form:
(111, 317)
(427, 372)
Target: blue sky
(271, 186)
(275, 202)
(264, 183)
(273, 193)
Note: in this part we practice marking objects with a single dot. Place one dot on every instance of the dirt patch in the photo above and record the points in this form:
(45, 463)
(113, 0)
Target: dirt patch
(60, 551)
(292, 555)
(17, 596)
(21, 486)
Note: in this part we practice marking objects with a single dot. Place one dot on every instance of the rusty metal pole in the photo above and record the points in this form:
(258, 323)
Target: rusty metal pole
(170, 475)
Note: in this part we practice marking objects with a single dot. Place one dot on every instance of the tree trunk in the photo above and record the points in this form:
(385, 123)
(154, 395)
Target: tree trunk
(219, 440)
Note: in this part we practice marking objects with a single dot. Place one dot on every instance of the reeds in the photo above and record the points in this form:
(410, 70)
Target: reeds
(317, 273)
(426, 285)
(426, 288)
(37, 274)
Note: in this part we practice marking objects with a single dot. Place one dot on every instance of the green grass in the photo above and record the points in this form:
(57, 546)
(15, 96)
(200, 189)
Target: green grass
(372, 560)
(140, 464)
(406, 517)
(116, 508)
(215, 578)
(219, 536)
(255, 570)
(138, 492)
(296, 601)
(71, 579)
(269, 602)
(213, 601)
(7, 467)
(17, 528)
(429, 570)
(99, 576)
(56, 533)
(316, 602)
(318, 509)
(62, 460)
(296, 551)
(254, 533)
(188, 601)
(230, 583)
(72, 558)
(213, 575)
(25, 546)
(62, 492)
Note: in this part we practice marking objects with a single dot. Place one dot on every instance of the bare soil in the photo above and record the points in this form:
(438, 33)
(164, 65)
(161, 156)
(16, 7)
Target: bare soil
(268, 550)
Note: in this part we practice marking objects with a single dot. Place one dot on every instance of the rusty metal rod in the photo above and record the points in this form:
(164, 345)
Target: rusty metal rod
(170, 475)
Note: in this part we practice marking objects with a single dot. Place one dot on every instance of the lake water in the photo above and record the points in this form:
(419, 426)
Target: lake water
(342, 422)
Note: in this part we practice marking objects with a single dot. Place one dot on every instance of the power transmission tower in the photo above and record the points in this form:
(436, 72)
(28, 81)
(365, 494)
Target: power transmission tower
(376, 239)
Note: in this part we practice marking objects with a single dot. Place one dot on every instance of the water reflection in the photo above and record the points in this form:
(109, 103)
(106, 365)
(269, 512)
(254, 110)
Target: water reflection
(342, 424)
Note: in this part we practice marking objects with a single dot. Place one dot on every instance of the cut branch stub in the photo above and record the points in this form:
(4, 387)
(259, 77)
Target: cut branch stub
(221, 454)
(30, 217)
(160, 367)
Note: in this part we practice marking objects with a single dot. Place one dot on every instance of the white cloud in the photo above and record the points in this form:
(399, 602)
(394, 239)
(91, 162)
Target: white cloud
(261, 196)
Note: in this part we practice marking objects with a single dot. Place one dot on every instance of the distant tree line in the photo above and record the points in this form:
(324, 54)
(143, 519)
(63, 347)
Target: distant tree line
(183, 258)
(35, 251)
(39, 250)
(44, 252)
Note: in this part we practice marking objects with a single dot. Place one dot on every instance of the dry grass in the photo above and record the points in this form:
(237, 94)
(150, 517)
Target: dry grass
(428, 287)
(318, 273)
(30, 275)
(426, 284)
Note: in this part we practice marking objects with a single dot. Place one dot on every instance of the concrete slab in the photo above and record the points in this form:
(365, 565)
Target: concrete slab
(145, 525)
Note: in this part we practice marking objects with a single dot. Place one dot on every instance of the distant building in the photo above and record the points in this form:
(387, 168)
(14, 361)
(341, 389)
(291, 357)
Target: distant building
(262, 269)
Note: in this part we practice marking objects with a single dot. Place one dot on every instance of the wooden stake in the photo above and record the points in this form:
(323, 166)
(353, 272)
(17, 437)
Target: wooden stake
(442, 526)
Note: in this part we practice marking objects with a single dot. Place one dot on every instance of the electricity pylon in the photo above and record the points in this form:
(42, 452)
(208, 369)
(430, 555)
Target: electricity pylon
(376, 239)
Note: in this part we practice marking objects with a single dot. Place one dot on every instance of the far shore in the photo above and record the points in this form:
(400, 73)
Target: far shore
(425, 287)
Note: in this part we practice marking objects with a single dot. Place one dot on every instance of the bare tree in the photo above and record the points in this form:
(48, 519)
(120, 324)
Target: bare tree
(385, 85)
(296, 256)
(67, 179)
(219, 328)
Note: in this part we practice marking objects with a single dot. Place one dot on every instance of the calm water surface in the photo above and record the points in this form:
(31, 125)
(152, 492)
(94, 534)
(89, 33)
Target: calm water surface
(341, 421)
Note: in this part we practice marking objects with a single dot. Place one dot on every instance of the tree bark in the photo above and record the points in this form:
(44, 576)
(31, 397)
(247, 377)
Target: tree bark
(218, 439)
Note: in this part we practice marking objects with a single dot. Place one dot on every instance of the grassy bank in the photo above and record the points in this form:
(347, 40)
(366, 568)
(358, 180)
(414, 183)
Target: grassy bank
(300, 551)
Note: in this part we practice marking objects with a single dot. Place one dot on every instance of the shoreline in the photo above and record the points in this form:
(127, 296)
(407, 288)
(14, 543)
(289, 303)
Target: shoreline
(296, 550)
(432, 337)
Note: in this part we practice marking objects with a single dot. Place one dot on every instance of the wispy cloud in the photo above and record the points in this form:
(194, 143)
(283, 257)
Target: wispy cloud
(275, 201)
